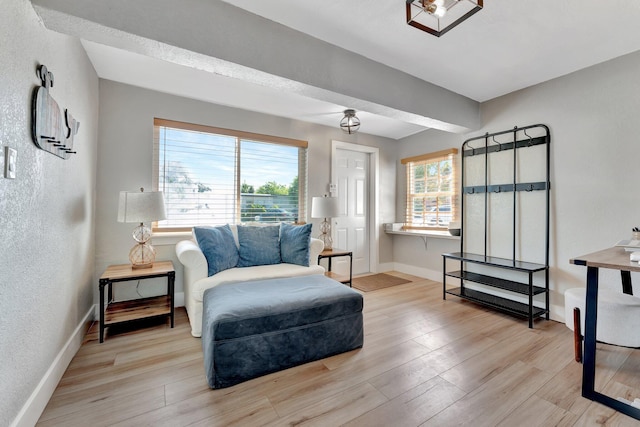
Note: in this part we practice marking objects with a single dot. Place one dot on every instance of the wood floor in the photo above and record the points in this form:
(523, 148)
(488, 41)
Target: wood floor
(425, 362)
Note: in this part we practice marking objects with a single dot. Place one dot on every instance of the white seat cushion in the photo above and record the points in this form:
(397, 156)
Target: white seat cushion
(618, 315)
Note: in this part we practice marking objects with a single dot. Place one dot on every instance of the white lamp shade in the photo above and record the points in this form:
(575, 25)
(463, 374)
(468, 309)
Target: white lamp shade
(139, 206)
(324, 207)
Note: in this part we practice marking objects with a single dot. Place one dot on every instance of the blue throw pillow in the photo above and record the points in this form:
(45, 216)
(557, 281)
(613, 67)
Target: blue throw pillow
(258, 245)
(294, 243)
(219, 247)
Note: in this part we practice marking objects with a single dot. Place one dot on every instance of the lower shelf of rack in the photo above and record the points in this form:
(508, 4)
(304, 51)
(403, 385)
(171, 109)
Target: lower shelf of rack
(125, 311)
(496, 282)
(499, 303)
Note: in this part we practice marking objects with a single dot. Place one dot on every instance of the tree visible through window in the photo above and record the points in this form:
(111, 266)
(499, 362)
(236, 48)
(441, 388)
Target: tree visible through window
(431, 190)
(213, 176)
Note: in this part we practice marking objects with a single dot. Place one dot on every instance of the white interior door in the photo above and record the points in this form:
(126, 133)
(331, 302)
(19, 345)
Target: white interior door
(351, 228)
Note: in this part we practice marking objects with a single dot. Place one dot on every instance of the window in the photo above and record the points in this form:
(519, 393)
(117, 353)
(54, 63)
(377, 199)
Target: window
(431, 189)
(213, 176)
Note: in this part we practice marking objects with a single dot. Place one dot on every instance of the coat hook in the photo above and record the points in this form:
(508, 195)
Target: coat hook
(530, 139)
(499, 145)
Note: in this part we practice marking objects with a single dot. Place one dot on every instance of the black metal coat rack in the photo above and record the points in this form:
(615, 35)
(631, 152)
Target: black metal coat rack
(518, 139)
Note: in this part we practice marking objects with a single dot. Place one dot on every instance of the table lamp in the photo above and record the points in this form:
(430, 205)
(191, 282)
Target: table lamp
(141, 207)
(325, 207)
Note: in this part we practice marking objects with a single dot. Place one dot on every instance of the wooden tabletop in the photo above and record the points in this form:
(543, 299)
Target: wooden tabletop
(125, 270)
(615, 258)
(334, 252)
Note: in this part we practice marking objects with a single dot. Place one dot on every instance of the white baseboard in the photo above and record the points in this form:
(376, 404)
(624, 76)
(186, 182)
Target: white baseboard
(32, 409)
(418, 271)
(386, 266)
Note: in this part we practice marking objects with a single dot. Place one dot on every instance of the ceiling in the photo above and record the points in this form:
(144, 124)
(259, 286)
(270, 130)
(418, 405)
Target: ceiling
(507, 46)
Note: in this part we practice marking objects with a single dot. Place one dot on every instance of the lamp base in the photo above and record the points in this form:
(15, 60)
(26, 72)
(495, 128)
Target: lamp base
(327, 240)
(141, 266)
(142, 255)
(325, 236)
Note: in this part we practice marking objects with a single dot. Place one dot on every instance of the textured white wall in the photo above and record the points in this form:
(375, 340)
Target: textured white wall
(592, 115)
(47, 212)
(125, 160)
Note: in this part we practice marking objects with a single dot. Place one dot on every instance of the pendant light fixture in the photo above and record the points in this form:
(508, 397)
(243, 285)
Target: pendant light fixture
(350, 123)
(439, 16)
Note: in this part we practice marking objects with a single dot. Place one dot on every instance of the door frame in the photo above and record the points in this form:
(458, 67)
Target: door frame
(373, 177)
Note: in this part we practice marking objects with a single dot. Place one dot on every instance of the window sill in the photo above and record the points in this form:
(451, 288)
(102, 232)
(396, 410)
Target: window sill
(166, 238)
(425, 234)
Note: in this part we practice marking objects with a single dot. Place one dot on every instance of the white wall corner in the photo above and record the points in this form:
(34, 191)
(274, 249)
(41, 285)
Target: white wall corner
(33, 408)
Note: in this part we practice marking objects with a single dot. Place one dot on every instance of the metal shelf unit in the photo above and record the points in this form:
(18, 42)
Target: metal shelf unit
(510, 290)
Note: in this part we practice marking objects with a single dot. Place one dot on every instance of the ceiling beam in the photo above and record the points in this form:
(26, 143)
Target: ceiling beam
(220, 38)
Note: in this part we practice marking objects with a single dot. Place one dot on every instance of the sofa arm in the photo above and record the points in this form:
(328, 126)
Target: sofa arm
(315, 247)
(195, 264)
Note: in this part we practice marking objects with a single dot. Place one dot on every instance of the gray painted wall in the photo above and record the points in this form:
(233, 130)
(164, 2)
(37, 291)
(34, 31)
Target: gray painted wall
(592, 115)
(47, 212)
(125, 153)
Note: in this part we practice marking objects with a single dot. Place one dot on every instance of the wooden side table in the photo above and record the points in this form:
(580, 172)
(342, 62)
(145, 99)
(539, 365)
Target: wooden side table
(125, 311)
(333, 253)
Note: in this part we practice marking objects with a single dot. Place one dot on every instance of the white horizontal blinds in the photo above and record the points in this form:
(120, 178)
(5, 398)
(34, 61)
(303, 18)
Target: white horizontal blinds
(197, 177)
(213, 176)
(431, 190)
(269, 181)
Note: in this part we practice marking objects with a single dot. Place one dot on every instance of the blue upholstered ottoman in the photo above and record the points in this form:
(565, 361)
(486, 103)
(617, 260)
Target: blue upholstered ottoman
(255, 328)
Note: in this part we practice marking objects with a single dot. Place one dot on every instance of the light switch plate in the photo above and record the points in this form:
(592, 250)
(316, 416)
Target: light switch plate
(333, 188)
(10, 162)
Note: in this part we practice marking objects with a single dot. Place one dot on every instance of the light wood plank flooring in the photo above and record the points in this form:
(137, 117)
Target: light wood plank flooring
(425, 362)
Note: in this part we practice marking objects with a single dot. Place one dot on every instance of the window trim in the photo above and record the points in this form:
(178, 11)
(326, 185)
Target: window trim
(258, 137)
(241, 135)
(429, 156)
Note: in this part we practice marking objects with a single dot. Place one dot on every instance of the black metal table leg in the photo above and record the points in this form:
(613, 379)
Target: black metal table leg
(627, 288)
(103, 283)
(591, 314)
(589, 364)
(171, 278)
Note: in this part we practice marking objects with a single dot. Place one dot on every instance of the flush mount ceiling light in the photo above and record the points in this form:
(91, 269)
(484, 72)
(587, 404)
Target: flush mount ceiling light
(439, 16)
(350, 123)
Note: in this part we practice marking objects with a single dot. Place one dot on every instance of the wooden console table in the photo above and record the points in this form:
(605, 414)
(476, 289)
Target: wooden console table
(614, 259)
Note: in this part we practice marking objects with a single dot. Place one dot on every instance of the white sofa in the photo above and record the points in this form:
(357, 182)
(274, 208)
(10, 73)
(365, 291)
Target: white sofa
(195, 280)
